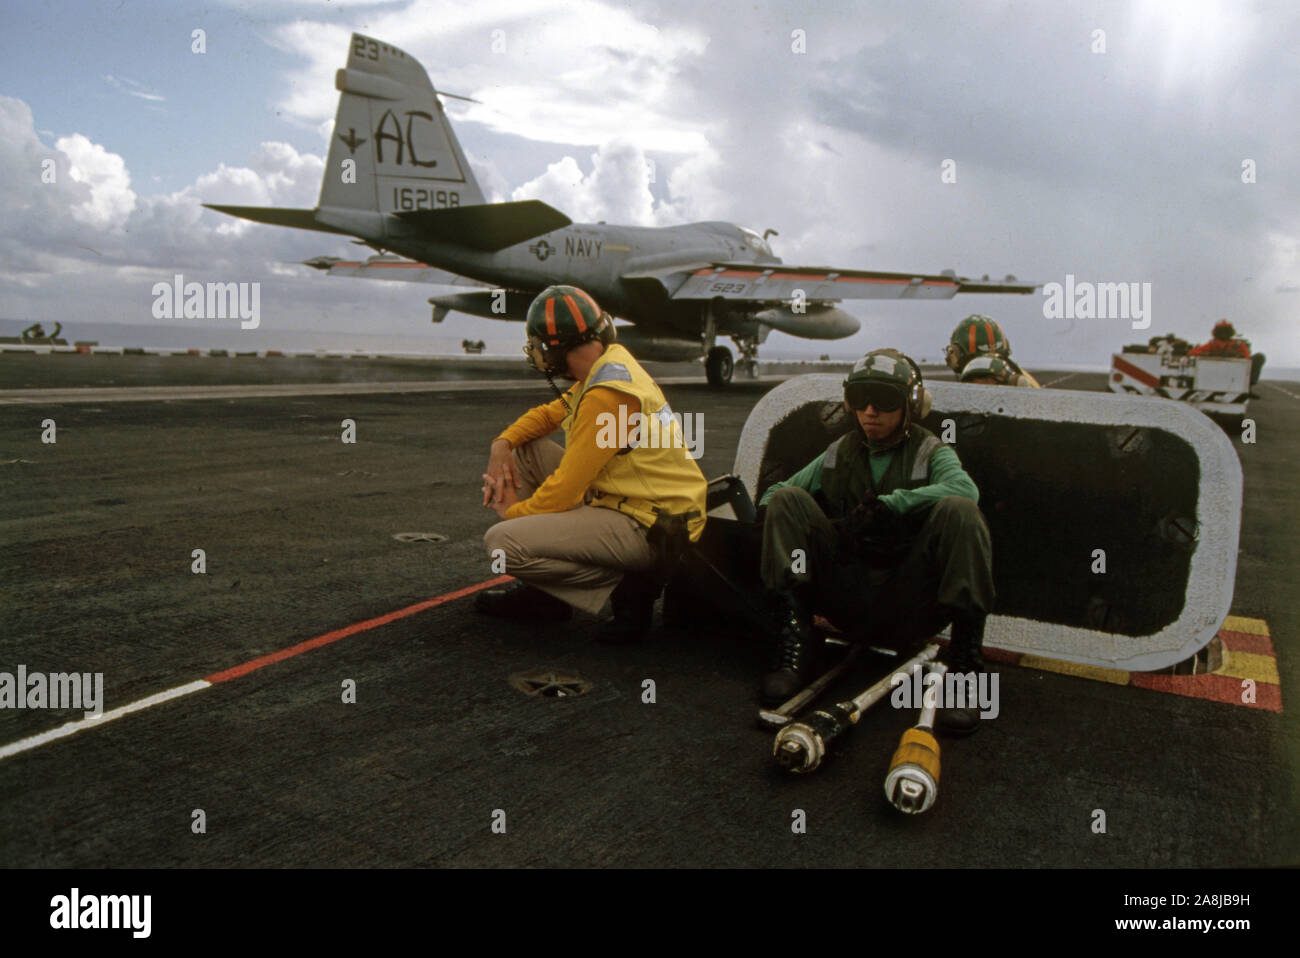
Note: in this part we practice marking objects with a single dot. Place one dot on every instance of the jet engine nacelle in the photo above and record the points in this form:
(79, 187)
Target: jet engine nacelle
(817, 321)
(664, 349)
(490, 303)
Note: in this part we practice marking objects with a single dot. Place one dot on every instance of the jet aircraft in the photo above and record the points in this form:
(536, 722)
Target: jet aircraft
(397, 181)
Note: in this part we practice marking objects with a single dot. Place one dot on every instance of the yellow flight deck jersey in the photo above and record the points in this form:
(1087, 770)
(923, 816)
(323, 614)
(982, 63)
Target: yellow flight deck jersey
(655, 472)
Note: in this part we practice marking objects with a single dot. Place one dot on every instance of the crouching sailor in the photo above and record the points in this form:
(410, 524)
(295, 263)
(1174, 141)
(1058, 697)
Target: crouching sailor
(606, 515)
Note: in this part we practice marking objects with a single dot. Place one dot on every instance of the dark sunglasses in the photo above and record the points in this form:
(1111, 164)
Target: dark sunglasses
(861, 395)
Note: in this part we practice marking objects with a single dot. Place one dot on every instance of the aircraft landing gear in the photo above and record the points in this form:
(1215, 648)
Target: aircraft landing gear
(748, 357)
(718, 366)
(717, 361)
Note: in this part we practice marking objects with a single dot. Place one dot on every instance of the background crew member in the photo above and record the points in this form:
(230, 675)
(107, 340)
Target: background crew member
(977, 336)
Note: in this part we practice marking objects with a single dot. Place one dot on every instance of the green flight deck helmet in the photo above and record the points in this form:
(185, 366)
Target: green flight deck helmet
(989, 367)
(560, 318)
(889, 380)
(976, 335)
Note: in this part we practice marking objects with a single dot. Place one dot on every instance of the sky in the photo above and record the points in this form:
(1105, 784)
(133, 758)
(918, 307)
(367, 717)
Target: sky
(1146, 142)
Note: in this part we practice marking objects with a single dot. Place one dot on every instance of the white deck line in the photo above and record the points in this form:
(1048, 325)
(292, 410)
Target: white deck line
(81, 725)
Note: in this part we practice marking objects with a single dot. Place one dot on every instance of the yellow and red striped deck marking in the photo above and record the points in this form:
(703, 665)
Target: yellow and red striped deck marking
(1248, 653)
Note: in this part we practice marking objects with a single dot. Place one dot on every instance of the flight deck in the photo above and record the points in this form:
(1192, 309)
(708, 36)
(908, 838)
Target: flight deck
(320, 688)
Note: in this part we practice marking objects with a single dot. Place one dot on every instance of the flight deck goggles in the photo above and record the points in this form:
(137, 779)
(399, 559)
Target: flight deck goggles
(885, 398)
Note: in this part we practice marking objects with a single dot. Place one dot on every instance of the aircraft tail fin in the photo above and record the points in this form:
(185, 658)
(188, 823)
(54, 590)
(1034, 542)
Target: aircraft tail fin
(392, 148)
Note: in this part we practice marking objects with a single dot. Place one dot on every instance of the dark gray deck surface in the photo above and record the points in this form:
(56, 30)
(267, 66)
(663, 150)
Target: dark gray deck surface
(96, 534)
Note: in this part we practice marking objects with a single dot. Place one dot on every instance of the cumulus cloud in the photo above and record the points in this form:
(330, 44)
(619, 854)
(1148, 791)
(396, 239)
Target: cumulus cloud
(43, 207)
(111, 197)
(583, 72)
(73, 232)
(617, 189)
(276, 175)
(78, 195)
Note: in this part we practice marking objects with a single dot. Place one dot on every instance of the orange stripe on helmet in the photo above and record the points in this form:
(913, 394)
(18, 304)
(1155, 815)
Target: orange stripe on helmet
(973, 327)
(550, 321)
(988, 328)
(577, 313)
(587, 296)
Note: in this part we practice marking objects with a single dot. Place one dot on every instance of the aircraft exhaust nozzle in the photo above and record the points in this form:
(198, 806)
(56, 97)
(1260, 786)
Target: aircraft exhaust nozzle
(489, 303)
(817, 321)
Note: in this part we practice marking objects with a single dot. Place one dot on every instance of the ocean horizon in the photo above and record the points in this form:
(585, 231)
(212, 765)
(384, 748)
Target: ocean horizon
(232, 338)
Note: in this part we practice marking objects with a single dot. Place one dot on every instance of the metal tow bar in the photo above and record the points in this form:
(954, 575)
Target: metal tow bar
(801, 746)
(912, 784)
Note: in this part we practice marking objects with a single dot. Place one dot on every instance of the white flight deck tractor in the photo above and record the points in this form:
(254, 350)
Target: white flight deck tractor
(1210, 383)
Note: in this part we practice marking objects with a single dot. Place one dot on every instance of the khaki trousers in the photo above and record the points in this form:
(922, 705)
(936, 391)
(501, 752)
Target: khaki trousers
(579, 555)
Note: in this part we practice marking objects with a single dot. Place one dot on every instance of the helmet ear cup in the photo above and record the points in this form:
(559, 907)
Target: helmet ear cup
(955, 357)
(607, 332)
(922, 408)
(919, 399)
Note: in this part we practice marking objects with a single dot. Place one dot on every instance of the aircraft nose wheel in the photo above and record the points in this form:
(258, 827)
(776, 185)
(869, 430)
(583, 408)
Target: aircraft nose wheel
(718, 366)
(748, 356)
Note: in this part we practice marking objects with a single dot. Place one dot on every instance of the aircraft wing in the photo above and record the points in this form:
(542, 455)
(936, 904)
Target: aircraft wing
(391, 268)
(760, 282)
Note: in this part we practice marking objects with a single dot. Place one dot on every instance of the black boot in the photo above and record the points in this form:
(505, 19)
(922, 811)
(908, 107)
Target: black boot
(793, 664)
(963, 659)
(633, 602)
(518, 600)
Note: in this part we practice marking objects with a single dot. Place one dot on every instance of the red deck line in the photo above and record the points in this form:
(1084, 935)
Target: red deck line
(254, 664)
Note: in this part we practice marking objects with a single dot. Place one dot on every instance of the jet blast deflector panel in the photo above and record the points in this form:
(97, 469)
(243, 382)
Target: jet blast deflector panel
(1153, 483)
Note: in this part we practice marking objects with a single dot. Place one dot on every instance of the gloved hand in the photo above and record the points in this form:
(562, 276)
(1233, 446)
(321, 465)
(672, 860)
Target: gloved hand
(871, 530)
